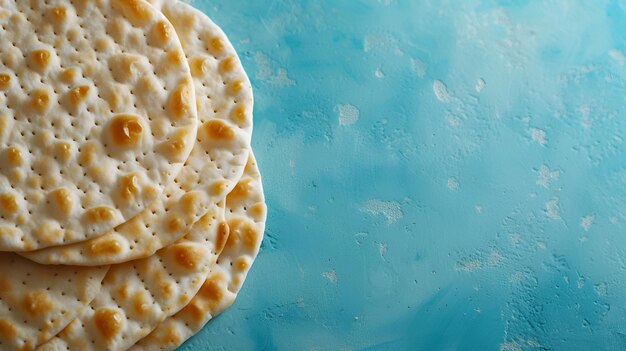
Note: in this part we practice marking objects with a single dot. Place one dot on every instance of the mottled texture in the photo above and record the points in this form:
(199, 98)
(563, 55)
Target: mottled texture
(224, 101)
(138, 295)
(97, 117)
(483, 212)
(246, 213)
(37, 301)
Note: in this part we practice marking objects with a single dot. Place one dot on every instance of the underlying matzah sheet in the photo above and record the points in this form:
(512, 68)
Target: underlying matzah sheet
(136, 296)
(38, 301)
(246, 214)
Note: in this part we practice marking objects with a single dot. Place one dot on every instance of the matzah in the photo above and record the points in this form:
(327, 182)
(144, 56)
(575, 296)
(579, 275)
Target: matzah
(37, 301)
(246, 215)
(97, 117)
(136, 296)
(225, 102)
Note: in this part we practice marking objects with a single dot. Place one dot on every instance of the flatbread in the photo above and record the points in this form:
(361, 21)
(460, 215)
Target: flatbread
(97, 117)
(225, 102)
(37, 302)
(246, 215)
(136, 296)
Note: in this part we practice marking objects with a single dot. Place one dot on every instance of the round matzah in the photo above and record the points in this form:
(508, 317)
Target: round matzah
(136, 296)
(246, 214)
(216, 161)
(37, 301)
(97, 116)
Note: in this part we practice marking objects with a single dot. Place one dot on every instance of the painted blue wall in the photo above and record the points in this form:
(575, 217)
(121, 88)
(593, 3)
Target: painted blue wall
(441, 175)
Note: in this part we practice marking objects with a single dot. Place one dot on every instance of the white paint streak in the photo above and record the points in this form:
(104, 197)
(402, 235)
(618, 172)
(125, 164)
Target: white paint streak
(587, 221)
(617, 56)
(331, 276)
(266, 73)
(379, 73)
(601, 289)
(348, 114)
(392, 210)
(418, 67)
(539, 136)
(468, 265)
(546, 176)
(453, 183)
(382, 250)
(585, 113)
(480, 85)
(441, 91)
(552, 209)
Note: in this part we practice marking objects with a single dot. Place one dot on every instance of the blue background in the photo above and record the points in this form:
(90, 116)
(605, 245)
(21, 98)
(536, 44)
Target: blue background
(440, 175)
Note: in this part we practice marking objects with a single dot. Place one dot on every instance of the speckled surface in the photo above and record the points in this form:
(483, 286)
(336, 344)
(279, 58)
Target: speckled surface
(441, 175)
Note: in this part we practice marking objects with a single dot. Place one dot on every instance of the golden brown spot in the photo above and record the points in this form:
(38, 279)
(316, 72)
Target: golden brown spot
(175, 57)
(27, 346)
(129, 187)
(88, 153)
(140, 302)
(190, 202)
(198, 67)
(176, 147)
(14, 156)
(167, 289)
(37, 303)
(16, 176)
(195, 310)
(163, 31)
(3, 124)
(239, 113)
(223, 231)
(123, 291)
(227, 65)
(5, 284)
(100, 214)
(219, 130)
(8, 202)
(187, 256)
(64, 151)
(5, 80)
(211, 290)
(136, 11)
(7, 329)
(59, 13)
(175, 224)
(219, 187)
(242, 233)
(48, 234)
(181, 100)
(109, 322)
(62, 199)
(102, 44)
(258, 209)
(242, 264)
(145, 85)
(69, 75)
(78, 94)
(105, 246)
(124, 66)
(236, 87)
(126, 130)
(215, 45)
(242, 190)
(40, 99)
(172, 337)
(40, 59)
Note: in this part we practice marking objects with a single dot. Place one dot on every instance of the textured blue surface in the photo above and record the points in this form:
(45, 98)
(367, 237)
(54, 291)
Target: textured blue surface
(441, 175)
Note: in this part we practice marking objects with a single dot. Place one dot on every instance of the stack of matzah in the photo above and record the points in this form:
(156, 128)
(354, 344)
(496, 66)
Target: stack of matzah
(131, 206)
